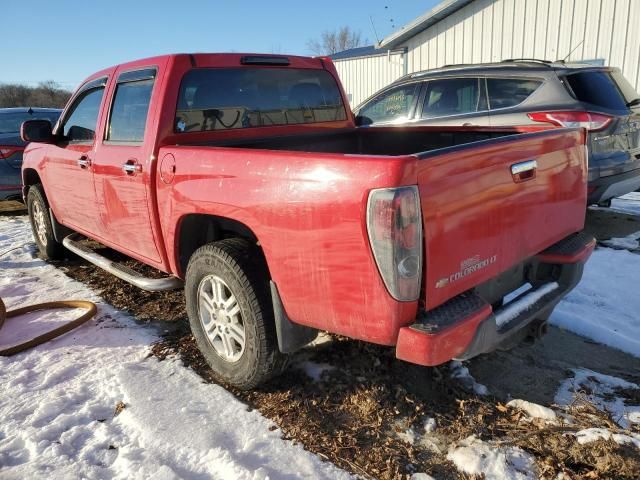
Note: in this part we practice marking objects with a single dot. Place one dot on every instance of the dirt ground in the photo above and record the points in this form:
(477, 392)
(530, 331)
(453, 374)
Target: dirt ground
(355, 412)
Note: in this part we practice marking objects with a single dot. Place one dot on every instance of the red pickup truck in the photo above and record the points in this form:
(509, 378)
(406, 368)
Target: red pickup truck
(244, 177)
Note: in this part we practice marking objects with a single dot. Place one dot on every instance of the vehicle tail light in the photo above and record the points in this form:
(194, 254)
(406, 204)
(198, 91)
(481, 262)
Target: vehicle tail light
(6, 152)
(394, 225)
(589, 120)
(11, 155)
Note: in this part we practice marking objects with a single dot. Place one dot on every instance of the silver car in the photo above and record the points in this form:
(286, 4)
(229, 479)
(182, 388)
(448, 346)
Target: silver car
(526, 93)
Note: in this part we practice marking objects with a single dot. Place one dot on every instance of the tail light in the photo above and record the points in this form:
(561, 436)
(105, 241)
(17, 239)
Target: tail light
(6, 152)
(394, 225)
(9, 154)
(589, 120)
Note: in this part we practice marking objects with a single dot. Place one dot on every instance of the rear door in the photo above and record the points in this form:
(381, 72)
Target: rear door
(454, 101)
(123, 166)
(68, 170)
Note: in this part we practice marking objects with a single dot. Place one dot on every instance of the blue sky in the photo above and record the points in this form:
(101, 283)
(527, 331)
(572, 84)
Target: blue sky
(67, 40)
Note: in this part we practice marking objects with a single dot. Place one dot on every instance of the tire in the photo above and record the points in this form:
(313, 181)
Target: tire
(38, 208)
(217, 274)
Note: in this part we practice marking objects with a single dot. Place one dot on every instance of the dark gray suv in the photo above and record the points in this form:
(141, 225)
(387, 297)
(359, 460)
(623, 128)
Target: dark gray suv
(527, 93)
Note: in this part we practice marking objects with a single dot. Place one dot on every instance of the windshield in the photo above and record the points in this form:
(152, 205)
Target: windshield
(223, 98)
(10, 121)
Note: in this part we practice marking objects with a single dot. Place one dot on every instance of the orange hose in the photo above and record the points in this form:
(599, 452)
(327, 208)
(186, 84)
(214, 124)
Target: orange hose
(9, 350)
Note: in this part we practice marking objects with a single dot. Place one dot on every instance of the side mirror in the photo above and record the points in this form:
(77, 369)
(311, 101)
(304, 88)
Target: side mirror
(36, 131)
(361, 120)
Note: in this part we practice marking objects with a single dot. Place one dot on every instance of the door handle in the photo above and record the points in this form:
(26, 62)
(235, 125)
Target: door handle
(131, 167)
(523, 171)
(84, 161)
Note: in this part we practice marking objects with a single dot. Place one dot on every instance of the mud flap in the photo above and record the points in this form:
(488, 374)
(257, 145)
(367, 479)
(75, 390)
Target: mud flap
(291, 336)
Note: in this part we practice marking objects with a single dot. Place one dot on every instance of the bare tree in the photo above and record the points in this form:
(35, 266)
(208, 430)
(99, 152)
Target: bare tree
(46, 94)
(335, 41)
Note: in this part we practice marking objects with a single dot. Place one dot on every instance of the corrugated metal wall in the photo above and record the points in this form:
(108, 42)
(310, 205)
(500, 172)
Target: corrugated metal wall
(494, 30)
(363, 76)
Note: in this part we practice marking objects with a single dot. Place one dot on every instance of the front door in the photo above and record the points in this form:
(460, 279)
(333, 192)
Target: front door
(123, 168)
(69, 169)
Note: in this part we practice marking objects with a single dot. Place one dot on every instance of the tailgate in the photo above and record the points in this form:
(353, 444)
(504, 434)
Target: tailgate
(481, 216)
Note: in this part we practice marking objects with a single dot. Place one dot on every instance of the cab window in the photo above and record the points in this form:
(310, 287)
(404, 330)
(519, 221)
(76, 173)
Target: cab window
(80, 124)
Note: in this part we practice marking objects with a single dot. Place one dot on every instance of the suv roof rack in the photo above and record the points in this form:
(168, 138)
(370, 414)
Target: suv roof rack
(527, 60)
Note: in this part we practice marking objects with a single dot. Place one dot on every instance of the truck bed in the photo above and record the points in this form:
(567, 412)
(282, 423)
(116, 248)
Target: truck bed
(375, 140)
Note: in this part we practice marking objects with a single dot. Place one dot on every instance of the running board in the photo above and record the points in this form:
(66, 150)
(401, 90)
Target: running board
(121, 271)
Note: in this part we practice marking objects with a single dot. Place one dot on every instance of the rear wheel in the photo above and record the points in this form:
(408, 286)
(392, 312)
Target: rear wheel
(230, 313)
(38, 209)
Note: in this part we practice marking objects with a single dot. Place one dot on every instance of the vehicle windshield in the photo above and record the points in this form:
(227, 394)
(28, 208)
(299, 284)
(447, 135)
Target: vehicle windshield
(224, 98)
(10, 121)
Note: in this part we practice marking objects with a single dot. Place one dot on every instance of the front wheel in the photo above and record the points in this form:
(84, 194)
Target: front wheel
(38, 209)
(230, 313)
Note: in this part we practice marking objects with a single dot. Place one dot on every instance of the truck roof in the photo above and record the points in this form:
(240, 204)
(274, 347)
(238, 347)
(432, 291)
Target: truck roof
(215, 59)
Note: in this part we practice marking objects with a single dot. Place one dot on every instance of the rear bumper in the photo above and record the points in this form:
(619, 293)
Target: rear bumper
(467, 325)
(612, 186)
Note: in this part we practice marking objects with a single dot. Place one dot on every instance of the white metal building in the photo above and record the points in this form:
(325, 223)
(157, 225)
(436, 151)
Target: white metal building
(473, 31)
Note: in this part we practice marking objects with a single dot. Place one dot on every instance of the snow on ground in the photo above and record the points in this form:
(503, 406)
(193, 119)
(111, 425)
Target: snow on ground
(533, 410)
(605, 306)
(629, 204)
(630, 242)
(592, 434)
(600, 390)
(475, 457)
(462, 374)
(58, 400)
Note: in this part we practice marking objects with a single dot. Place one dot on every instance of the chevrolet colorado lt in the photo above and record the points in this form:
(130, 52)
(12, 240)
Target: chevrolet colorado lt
(244, 178)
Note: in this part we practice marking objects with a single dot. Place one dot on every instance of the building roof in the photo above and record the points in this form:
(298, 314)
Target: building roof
(357, 52)
(424, 21)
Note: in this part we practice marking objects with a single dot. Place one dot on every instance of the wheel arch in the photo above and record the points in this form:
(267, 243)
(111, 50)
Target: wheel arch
(30, 177)
(196, 229)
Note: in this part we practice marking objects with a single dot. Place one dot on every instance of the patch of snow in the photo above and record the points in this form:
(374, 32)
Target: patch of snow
(313, 369)
(408, 436)
(516, 307)
(475, 457)
(533, 409)
(421, 476)
(430, 425)
(629, 203)
(592, 434)
(630, 242)
(604, 306)
(58, 400)
(600, 390)
(461, 373)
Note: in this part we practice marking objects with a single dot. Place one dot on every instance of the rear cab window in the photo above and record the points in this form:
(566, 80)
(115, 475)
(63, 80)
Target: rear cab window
(231, 98)
(509, 92)
(598, 88)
